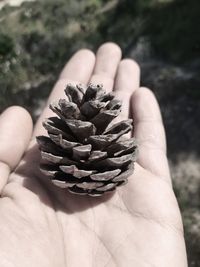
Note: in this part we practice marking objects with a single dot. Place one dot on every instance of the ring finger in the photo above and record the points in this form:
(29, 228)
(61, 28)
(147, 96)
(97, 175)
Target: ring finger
(127, 81)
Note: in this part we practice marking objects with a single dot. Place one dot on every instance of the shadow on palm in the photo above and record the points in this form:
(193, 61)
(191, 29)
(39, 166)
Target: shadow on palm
(41, 185)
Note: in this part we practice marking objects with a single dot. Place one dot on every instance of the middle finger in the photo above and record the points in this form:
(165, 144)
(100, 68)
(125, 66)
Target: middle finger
(107, 60)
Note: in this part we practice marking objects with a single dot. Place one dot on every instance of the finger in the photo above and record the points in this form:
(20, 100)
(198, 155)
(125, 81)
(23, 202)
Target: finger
(127, 81)
(150, 133)
(77, 70)
(107, 59)
(16, 129)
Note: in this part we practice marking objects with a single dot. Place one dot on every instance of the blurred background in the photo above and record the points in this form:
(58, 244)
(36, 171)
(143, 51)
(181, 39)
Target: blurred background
(37, 38)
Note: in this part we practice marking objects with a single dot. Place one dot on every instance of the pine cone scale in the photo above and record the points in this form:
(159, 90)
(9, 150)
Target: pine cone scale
(105, 176)
(103, 119)
(56, 126)
(77, 173)
(81, 129)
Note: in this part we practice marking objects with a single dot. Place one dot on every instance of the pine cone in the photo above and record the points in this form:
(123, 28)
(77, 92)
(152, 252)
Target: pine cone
(85, 152)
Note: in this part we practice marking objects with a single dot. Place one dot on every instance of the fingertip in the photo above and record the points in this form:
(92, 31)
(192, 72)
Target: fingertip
(130, 65)
(110, 47)
(128, 76)
(14, 108)
(147, 93)
(145, 105)
(84, 52)
(79, 67)
(18, 113)
(16, 130)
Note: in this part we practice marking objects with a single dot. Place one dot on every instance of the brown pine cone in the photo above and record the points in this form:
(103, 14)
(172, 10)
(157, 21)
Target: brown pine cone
(85, 152)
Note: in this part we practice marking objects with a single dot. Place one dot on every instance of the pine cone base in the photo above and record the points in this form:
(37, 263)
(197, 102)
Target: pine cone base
(84, 151)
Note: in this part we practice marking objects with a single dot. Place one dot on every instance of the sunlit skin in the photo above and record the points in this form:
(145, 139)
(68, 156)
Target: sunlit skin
(41, 225)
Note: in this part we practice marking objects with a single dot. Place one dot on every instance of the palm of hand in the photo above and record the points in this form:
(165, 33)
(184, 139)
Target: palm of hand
(139, 225)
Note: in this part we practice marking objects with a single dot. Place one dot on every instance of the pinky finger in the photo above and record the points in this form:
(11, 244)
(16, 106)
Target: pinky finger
(150, 133)
(15, 133)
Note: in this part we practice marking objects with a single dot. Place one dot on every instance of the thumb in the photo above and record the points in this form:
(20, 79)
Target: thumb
(15, 133)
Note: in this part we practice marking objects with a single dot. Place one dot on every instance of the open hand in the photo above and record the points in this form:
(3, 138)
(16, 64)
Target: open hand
(41, 225)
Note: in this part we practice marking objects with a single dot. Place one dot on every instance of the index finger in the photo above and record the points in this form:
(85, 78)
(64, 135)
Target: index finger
(78, 70)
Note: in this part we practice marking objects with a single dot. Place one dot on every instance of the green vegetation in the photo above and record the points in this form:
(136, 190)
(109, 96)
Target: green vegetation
(37, 37)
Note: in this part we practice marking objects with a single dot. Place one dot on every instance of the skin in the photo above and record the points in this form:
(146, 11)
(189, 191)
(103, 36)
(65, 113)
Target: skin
(42, 225)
